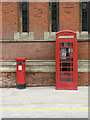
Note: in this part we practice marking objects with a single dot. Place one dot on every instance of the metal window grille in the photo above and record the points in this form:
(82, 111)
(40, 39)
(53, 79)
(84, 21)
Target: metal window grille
(84, 16)
(24, 17)
(55, 16)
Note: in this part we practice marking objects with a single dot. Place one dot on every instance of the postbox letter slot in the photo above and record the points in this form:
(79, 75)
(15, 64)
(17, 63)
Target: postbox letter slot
(20, 63)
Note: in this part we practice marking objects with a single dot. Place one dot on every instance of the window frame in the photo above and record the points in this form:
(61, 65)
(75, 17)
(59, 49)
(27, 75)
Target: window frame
(20, 18)
(50, 16)
(83, 30)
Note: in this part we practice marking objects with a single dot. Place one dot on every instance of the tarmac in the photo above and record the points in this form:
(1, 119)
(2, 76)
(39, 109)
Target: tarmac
(43, 102)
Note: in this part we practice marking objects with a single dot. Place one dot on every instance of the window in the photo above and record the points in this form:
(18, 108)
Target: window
(84, 16)
(54, 16)
(23, 17)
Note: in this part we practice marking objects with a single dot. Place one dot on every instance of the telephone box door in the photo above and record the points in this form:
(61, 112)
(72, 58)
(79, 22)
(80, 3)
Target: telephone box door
(66, 61)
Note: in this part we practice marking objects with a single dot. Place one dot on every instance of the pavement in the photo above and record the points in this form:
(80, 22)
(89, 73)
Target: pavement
(44, 102)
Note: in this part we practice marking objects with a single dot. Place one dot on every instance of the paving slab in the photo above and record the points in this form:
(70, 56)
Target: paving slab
(44, 102)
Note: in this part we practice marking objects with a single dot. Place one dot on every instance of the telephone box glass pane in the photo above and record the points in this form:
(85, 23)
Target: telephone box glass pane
(65, 69)
(66, 52)
(66, 44)
(66, 59)
(66, 62)
(65, 74)
(65, 79)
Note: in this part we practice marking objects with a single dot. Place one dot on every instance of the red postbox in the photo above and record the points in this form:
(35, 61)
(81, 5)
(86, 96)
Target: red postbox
(66, 60)
(20, 66)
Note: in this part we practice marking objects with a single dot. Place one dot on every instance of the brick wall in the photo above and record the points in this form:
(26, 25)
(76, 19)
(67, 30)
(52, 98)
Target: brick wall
(83, 78)
(69, 16)
(30, 50)
(0, 21)
(8, 79)
(9, 20)
(38, 50)
(38, 79)
(89, 18)
(83, 50)
(38, 19)
(38, 23)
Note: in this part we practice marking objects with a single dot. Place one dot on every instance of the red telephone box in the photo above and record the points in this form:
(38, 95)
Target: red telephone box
(20, 63)
(66, 60)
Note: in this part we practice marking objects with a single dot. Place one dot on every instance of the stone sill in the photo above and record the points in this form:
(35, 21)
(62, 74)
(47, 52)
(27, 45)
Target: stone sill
(83, 36)
(27, 40)
(48, 36)
(40, 66)
(29, 62)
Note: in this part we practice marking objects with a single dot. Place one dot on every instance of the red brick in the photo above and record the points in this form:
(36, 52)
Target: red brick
(30, 50)
(9, 20)
(38, 50)
(38, 19)
(83, 78)
(83, 50)
(69, 16)
(39, 79)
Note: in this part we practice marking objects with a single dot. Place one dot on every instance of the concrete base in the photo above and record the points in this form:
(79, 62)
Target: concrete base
(44, 102)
